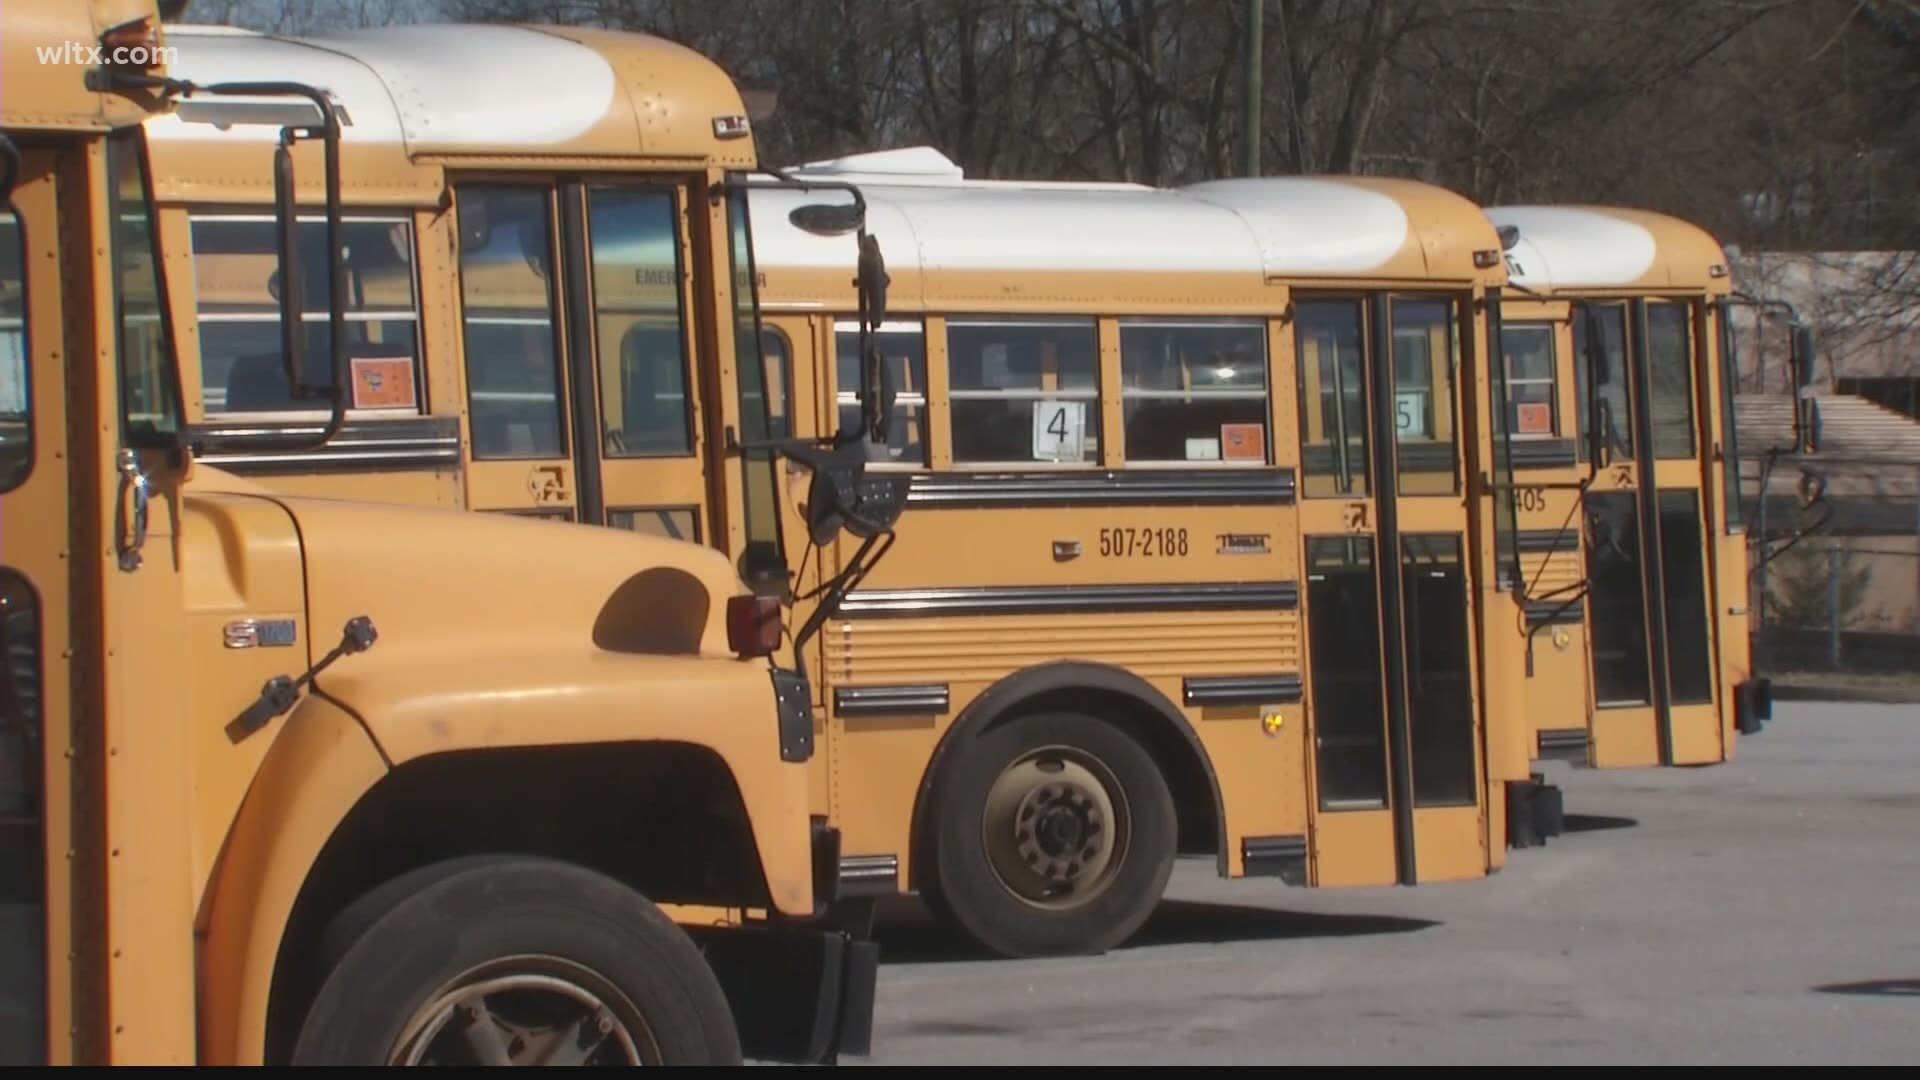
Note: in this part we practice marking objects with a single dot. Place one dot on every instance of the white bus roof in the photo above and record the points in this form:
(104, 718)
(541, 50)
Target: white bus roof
(1602, 247)
(470, 90)
(927, 215)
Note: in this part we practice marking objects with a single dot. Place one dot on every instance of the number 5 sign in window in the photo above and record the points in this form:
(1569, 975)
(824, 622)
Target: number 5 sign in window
(1059, 430)
(1410, 415)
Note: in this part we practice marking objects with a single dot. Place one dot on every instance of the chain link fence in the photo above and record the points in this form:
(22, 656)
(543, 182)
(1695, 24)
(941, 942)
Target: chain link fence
(1844, 598)
(1841, 604)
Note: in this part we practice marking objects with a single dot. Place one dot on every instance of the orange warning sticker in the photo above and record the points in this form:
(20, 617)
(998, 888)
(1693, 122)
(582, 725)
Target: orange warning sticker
(383, 382)
(1533, 418)
(1243, 442)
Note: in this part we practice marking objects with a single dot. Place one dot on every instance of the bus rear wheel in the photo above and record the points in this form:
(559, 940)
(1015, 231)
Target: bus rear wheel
(1051, 834)
(513, 961)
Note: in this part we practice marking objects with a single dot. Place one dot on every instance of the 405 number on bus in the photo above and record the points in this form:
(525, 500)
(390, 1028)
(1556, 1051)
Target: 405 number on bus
(1125, 543)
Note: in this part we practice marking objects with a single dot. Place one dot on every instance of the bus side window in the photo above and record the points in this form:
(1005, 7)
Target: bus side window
(1424, 349)
(776, 359)
(238, 311)
(1608, 322)
(1024, 391)
(1531, 392)
(16, 399)
(653, 405)
(904, 345)
(507, 304)
(637, 280)
(1335, 443)
(1670, 375)
(1194, 391)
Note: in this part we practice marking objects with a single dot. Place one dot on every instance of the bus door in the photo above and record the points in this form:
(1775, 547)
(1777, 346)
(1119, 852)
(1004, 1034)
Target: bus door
(1651, 644)
(88, 574)
(580, 354)
(1544, 526)
(34, 609)
(1396, 774)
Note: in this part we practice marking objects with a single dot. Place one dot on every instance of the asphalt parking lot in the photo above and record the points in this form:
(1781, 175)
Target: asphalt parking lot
(1762, 912)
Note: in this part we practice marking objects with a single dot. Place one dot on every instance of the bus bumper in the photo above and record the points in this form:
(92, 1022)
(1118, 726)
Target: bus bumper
(1753, 705)
(798, 994)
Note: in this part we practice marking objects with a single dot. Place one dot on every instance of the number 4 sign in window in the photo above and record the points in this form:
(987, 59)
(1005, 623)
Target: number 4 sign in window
(1059, 430)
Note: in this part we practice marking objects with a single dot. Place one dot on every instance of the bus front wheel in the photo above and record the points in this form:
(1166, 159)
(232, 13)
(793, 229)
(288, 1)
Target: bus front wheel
(1052, 833)
(513, 961)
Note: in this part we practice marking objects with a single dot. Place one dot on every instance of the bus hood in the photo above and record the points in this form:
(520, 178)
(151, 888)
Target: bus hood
(436, 578)
(441, 579)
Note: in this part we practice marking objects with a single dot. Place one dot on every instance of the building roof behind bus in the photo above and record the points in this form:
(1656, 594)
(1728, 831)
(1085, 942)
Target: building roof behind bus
(930, 220)
(476, 91)
(46, 51)
(1609, 248)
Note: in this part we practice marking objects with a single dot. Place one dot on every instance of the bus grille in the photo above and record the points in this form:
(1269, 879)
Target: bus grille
(1160, 644)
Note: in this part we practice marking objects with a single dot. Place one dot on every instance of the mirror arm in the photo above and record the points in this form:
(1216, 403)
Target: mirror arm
(1799, 366)
(1809, 479)
(864, 560)
(1794, 538)
(789, 181)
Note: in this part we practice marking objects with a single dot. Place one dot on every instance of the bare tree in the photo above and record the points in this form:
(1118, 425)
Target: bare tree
(306, 16)
(1778, 124)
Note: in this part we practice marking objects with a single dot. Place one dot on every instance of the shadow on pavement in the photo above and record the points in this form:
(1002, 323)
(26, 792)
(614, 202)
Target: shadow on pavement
(1576, 823)
(916, 938)
(1875, 988)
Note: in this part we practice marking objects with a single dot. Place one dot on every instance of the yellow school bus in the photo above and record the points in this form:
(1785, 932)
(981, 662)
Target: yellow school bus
(1194, 562)
(1628, 547)
(286, 779)
(1082, 656)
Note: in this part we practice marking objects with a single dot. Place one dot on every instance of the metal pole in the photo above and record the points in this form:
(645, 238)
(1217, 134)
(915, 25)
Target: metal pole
(1250, 103)
(1833, 606)
(1760, 534)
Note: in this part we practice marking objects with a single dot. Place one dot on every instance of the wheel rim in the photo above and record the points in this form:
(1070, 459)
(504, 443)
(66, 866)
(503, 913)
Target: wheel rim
(1055, 827)
(527, 1010)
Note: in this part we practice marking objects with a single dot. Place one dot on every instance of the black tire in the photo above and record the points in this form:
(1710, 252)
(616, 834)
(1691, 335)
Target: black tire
(963, 887)
(402, 952)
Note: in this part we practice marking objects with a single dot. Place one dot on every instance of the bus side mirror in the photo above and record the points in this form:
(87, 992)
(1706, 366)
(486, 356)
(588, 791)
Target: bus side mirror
(876, 383)
(873, 280)
(870, 283)
(1806, 410)
(293, 335)
(877, 394)
(1802, 357)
